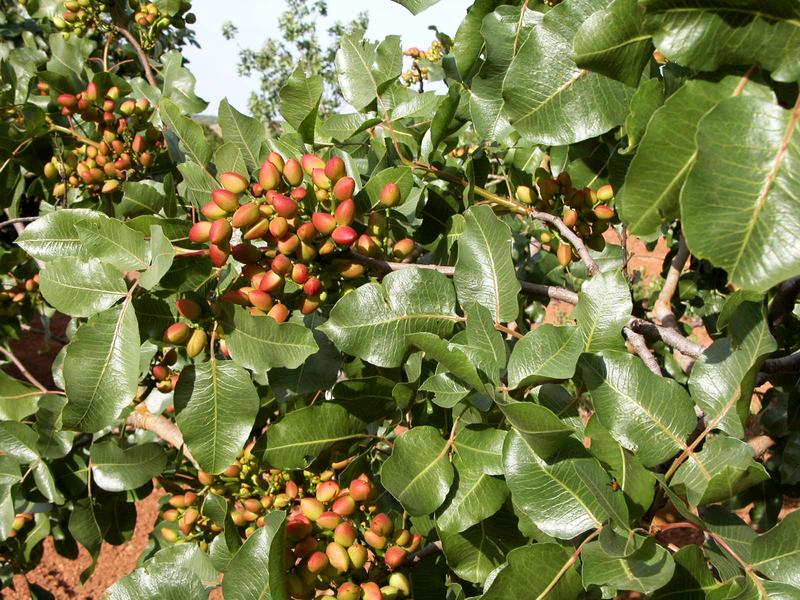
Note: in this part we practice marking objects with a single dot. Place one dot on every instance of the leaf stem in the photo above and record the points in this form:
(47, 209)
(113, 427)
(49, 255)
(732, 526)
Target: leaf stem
(570, 561)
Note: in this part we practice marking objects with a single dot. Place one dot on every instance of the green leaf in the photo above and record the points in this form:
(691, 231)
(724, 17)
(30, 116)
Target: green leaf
(776, 553)
(178, 84)
(140, 198)
(416, 6)
(468, 43)
(748, 187)
(548, 352)
(342, 127)
(54, 235)
(18, 441)
(480, 446)
(722, 379)
(261, 344)
(473, 554)
(189, 133)
(448, 356)
(485, 272)
(160, 254)
(246, 133)
(101, 369)
(648, 98)
(541, 429)
(705, 35)
(402, 177)
(722, 469)
(257, 569)
(364, 69)
(529, 572)
(68, 56)
(548, 98)
(17, 399)
(649, 415)
(666, 153)
(440, 123)
(299, 103)
(551, 494)
(81, 288)
(418, 473)
(156, 580)
(691, 577)
(372, 322)
(613, 42)
(229, 157)
(197, 183)
(604, 308)
(116, 470)
(644, 570)
(114, 243)
(216, 404)
(53, 442)
(485, 345)
(369, 398)
(446, 389)
(308, 432)
(474, 497)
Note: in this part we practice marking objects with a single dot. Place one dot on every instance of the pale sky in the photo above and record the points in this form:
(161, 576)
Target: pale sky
(214, 63)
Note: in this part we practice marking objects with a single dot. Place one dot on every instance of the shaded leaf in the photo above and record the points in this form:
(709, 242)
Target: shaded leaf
(116, 470)
(529, 572)
(81, 288)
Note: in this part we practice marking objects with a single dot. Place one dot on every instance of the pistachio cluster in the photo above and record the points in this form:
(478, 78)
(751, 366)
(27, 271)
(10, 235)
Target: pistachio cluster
(418, 71)
(583, 210)
(126, 145)
(14, 297)
(297, 228)
(336, 540)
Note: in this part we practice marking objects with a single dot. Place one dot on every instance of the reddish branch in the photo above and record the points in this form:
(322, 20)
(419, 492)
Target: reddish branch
(148, 73)
(662, 310)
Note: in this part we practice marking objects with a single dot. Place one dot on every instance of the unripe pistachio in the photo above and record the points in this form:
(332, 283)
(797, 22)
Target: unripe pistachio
(358, 555)
(564, 254)
(110, 186)
(323, 222)
(361, 490)
(284, 206)
(233, 182)
(328, 520)
(246, 253)
(212, 211)
(220, 232)
(171, 515)
(306, 547)
(246, 216)
(564, 181)
(371, 591)
(319, 179)
(219, 253)
(311, 162)
(177, 334)
(67, 101)
(189, 308)
(227, 201)
(390, 195)
(400, 581)
(205, 478)
(345, 534)
(395, 557)
(269, 176)
(548, 188)
(337, 557)
(524, 194)
(298, 528)
(345, 212)
(312, 287)
(344, 188)
(317, 562)
(279, 313)
(335, 169)
(238, 297)
(603, 212)
(344, 235)
(170, 535)
(570, 218)
(389, 592)
(349, 269)
(293, 172)
(403, 249)
(260, 300)
(300, 273)
(376, 541)
(402, 537)
(307, 252)
(605, 193)
(197, 342)
(271, 282)
(416, 543)
(327, 248)
(344, 505)
(382, 524)
(233, 470)
(281, 265)
(259, 230)
(288, 245)
(366, 245)
(306, 232)
(348, 591)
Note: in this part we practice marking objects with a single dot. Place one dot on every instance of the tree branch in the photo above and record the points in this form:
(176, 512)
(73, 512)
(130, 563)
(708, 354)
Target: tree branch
(419, 555)
(782, 364)
(639, 344)
(783, 301)
(141, 418)
(663, 306)
(148, 73)
(671, 337)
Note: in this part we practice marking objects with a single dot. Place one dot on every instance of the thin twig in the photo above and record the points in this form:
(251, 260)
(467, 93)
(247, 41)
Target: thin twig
(25, 373)
(423, 553)
(18, 220)
(640, 345)
(570, 561)
(507, 330)
(671, 337)
(663, 306)
(148, 73)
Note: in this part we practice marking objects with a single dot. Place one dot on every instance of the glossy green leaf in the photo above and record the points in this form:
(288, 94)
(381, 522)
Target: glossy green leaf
(648, 98)
(481, 447)
(141, 198)
(372, 322)
(706, 35)
(649, 415)
(299, 102)
(245, 132)
(155, 580)
(160, 257)
(722, 469)
(474, 497)
(485, 272)
(197, 183)
(54, 235)
(114, 243)
(18, 441)
(260, 343)
(776, 553)
(543, 431)
(691, 578)
(448, 356)
(530, 572)
(101, 369)
(666, 153)
(364, 68)
(416, 6)
(190, 134)
(257, 569)
(81, 288)
(548, 97)
(748, 151)
(613, 41)
(116, 470)
(722, 379)
(644, 570)
(547, 353)
(178, 83)
(310, 431)
(604, 308)
(17, 399)
(418, 473)
(216, 404)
